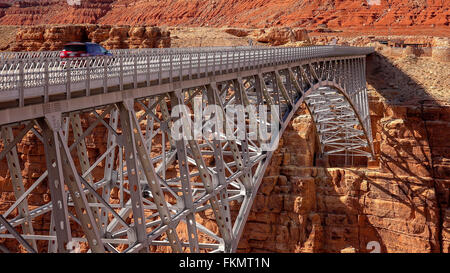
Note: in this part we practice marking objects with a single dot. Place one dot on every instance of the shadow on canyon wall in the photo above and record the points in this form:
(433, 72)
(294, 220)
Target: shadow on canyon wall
(408, 145)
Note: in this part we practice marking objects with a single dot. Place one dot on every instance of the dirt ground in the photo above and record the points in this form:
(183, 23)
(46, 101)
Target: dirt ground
(411, 79)
(200, 36)
(392, 31)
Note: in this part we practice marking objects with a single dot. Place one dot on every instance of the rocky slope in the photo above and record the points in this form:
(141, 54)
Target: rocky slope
(247, 13)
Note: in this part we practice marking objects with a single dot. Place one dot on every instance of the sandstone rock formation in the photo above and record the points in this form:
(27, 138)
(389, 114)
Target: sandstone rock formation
(253, 13)
(111, 37)
(281, 36)
(238, 32)
(273, 36)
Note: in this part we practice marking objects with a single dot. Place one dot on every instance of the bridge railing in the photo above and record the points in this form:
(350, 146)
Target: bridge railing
(27, 76)
(55, 53)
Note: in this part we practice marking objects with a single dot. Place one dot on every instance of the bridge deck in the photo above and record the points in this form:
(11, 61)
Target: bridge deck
(27, 78)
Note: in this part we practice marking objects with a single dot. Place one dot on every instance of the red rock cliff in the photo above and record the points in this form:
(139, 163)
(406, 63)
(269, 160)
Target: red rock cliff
(242, 13)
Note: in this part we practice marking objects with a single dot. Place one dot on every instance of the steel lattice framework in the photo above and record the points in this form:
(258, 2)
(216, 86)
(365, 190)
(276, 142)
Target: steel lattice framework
(148, 191)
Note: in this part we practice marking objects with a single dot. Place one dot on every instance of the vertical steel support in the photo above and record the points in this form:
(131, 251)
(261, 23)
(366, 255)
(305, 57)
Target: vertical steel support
(306, 76)
(283, 90)
(295, 82)
(50, 126)
(109, 174)
(186, 189)
(83, 212)
(166, 118)
(262, 83)
(83, 158)
(52, 246)
(126, 121)
(232, 143)
(220, 173)
(140, 149)
(219, 211)
(247, 172)
(15, 172)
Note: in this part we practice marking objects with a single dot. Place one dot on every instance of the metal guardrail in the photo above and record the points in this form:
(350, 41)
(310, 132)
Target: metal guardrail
(23, 75)
(53, 54)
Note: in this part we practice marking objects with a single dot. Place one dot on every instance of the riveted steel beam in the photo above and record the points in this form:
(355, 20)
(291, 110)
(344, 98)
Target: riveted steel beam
(50, 128)
(152, 179)
(130, 153)
(83, 158)
(83, 211)
(21, 240)
(186, 187)
(15, 173)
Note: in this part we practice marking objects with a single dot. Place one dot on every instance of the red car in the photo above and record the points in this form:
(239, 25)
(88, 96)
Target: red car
(76, 49)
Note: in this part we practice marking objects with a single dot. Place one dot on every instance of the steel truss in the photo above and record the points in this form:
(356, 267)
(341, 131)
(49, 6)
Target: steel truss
(148, 191)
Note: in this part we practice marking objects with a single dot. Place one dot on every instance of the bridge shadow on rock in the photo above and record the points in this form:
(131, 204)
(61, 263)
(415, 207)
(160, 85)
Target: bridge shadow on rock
(410, 129)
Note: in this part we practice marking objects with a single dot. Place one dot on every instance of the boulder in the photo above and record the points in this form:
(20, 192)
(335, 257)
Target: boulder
(281, 36)
(238, 32)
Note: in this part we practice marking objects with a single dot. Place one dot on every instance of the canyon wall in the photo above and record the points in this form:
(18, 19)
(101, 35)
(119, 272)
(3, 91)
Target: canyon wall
(53, 12)
(248, 13)
(111, 37)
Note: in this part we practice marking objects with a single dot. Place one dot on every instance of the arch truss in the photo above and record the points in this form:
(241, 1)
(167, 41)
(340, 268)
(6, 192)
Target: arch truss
(114, 178)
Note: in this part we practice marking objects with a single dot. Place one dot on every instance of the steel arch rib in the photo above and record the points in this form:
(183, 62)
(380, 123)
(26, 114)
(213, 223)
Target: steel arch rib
(296, 106)
(343, 92)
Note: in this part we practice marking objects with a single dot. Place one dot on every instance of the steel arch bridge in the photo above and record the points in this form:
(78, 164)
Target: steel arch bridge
(147, 190)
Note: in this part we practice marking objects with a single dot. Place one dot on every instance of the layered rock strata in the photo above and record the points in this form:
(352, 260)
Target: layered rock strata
(238, 13)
